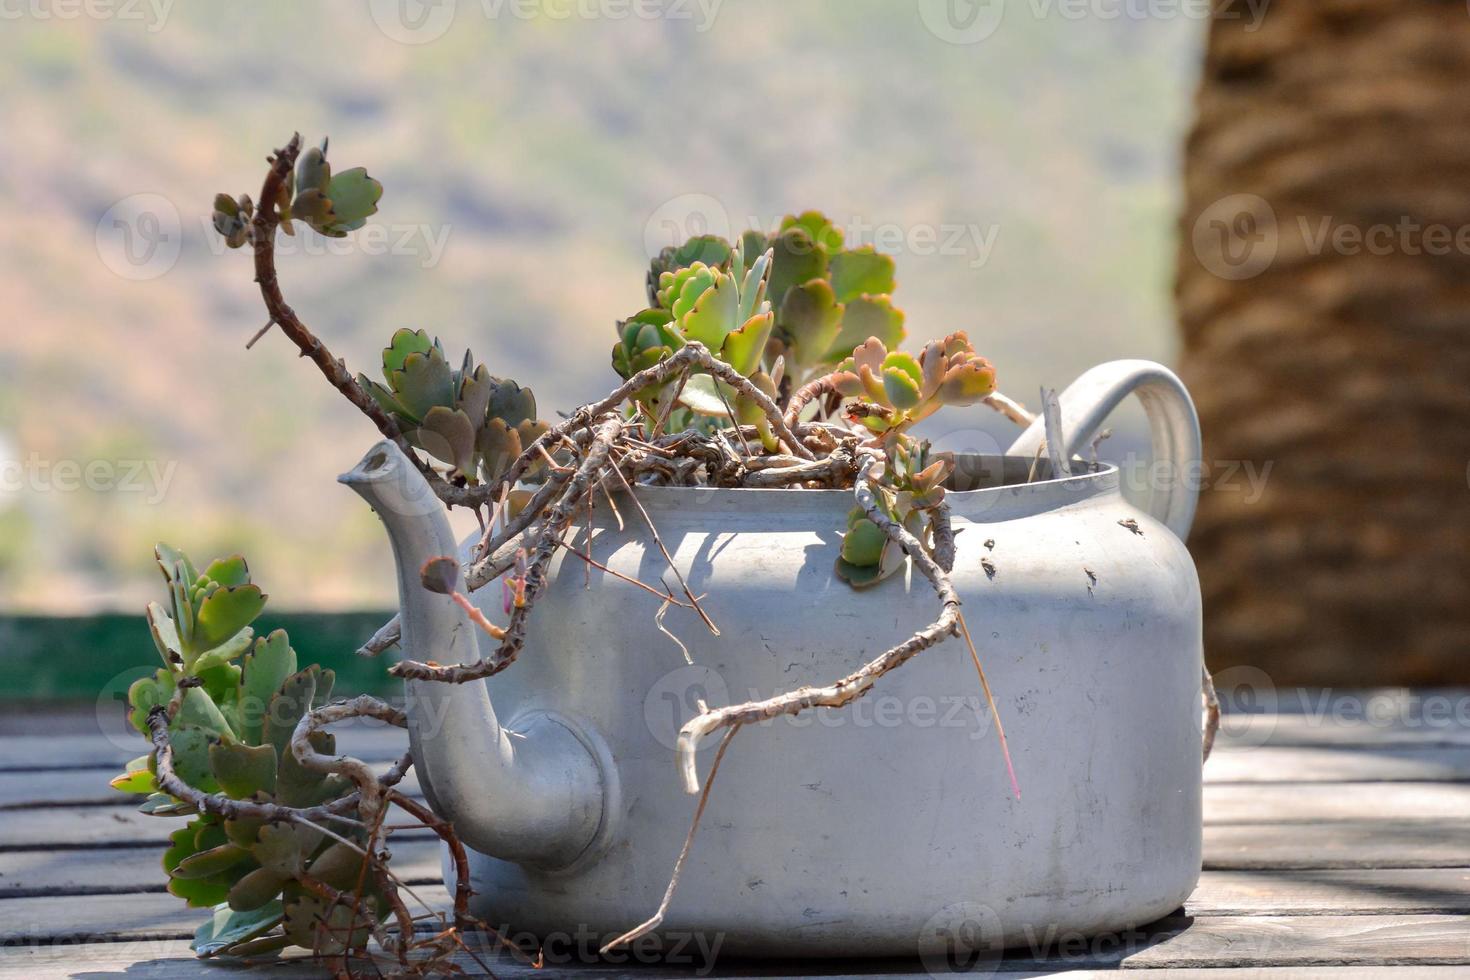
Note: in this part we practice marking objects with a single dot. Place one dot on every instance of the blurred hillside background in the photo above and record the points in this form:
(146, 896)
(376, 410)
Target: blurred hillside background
(1024, 173)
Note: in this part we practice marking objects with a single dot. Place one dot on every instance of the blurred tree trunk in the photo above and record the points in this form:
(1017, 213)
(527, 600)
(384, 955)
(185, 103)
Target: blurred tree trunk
(1341, 362)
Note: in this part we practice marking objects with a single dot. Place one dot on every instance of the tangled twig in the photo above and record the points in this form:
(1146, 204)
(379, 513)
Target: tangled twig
(860, 681)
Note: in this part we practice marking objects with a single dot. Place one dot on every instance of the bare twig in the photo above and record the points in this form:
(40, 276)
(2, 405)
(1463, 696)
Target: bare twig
(556, 520)
(1010, 408)
(1212, 710)
(386, 636)
(860, 681)
(663, 906)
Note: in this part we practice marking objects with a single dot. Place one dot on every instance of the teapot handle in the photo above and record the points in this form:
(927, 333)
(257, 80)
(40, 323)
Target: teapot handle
(1090, 399)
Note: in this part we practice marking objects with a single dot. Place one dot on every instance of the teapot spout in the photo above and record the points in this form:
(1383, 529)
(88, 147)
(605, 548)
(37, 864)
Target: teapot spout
(536, 796)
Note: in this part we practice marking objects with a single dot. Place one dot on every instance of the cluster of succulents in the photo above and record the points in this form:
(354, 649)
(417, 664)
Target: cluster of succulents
(897, 389)
(333, 205)
(233, 701)
(722, 306)
(823, 299)
(894, 390)
(828, 298)
(467, 419)
(911, 487)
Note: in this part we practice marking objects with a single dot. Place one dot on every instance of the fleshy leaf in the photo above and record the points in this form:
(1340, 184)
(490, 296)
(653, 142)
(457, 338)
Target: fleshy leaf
(228, 928)
(225, 613)
(243, 770)
(266, 668)
(861, 271)
(354, 196)
(865, 317)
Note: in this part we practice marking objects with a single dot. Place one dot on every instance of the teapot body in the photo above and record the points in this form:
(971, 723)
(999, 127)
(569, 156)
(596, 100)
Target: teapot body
(887, 826)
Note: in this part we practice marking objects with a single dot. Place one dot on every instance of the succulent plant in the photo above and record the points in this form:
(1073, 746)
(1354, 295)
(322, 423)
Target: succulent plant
(232, 218)
(723, 307)
(901, 389)
(912, 486)
(475, 423)
(230, 726)
(827, 298)
(332, 204)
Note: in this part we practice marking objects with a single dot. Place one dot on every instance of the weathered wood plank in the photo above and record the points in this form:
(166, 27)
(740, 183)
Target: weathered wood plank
(152, 915)
(1339, 764)
(88, 787)
(1204, 941)
(71, 828)
(1359, 844)
(1318, 802)
(32, 753)
(1324, 940)
(118, 870)
(1430, 891)
(171, 960)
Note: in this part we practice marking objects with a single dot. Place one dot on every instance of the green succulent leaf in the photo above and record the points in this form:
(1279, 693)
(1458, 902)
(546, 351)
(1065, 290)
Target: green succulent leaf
(137, 779)
(810, 320)
(403, 343)
(448, 435)
(207, 864)
(191, 754)
(242, 770)
(257, 890)
(818, 228)
(864, 542)
(354, 197)
(198, 892)
(744, 348)
(266, 668)
(228, 928)
(222, 654)
(866, 317)
(226, 612)
(163, 805)
(702, 393)
(145, 694)
(229, 571)
(796, 259)
(861, 271)
(425, 380)
(711, 318)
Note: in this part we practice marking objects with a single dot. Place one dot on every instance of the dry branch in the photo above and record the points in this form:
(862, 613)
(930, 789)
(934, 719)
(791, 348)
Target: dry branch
(860, 681)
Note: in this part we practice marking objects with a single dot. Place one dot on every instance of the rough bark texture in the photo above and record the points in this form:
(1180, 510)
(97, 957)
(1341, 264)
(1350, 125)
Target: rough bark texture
(1346, 369)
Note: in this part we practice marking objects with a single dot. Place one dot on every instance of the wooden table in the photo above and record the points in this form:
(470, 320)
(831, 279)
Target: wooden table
(1337, 845)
